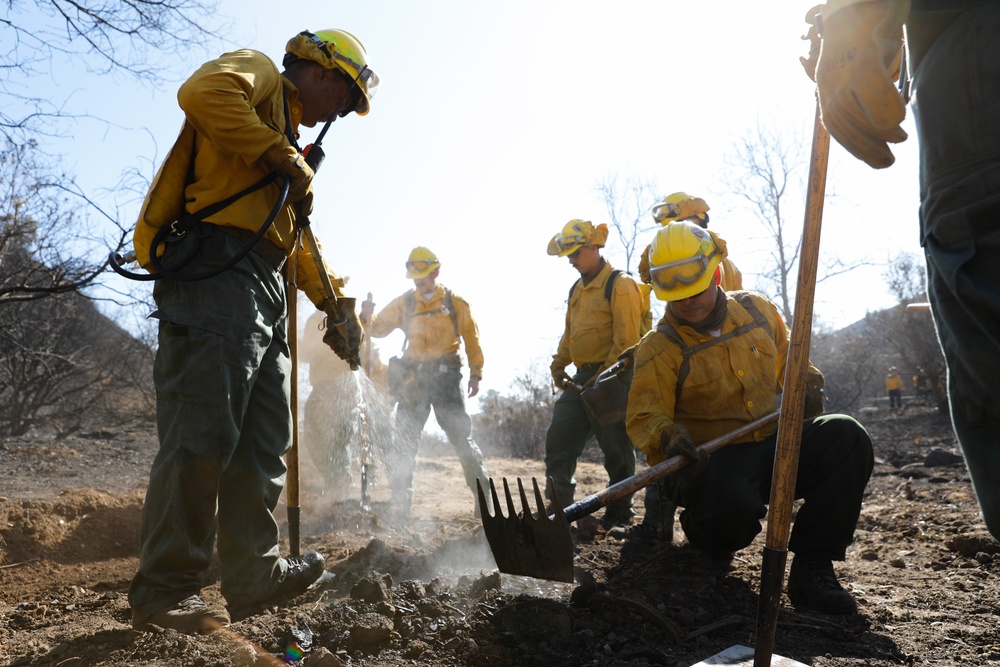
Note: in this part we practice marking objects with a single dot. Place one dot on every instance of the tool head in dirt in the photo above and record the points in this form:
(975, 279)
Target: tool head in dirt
(527, 544)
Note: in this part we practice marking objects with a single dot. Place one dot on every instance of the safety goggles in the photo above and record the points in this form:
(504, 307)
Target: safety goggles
(682, 272)
(569, 242)
(370, 79)
(419, 265)
(665, 211)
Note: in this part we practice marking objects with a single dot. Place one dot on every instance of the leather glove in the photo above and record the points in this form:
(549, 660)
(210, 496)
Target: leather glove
(285, 160)
(859, 55)
(809, 64)
(343, 331)
(675, 440)
(814, 395)
(690, 208)
(559, 376)
(367, 309)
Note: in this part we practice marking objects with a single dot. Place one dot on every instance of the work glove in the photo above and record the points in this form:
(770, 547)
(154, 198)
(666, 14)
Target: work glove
(814, 395)
(812, 36)
(367, 309)
(559, 376)
(343, 330)
(676, 441)
(858, 60)
(689, 208)
(287, 161)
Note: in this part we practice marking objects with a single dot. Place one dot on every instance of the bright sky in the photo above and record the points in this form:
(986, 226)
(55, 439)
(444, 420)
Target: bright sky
(494, 123)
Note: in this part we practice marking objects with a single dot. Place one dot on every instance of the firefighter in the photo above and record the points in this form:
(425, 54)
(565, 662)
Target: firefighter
(222, 366)
(603, 318)
(435, 321)
(714, 364)
(953, 52)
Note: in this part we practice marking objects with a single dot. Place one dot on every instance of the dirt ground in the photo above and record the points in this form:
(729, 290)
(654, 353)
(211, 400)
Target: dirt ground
(425, 591)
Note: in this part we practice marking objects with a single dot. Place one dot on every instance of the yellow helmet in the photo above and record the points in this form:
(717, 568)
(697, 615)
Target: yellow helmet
(576, 234)
(422, 262)
(340, 50)
(681, 206)
(682, 261)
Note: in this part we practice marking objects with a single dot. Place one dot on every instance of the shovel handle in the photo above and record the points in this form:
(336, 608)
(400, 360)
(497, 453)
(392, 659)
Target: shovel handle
(619, 490)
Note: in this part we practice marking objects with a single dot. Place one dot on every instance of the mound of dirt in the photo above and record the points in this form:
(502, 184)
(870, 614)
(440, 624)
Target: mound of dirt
(424, 590)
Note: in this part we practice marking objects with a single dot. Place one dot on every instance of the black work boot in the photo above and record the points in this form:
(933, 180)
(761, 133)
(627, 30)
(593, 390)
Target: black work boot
(301, 573)
(812, 583)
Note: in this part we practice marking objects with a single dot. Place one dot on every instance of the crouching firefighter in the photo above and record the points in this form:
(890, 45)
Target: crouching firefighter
(715, 363)
(220, 227)
(434, 320)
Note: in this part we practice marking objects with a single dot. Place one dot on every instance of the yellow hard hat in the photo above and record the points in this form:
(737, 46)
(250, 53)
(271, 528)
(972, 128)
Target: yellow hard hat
(680, 206)
(340, 50)
(576, 234)
(682, 261)
(421, 262)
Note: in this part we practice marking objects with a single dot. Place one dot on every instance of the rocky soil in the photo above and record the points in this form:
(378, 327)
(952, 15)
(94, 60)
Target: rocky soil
(425, 591)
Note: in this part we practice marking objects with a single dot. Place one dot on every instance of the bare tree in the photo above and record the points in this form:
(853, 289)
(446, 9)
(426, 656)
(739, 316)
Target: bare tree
(140, 38)
(515, 424)
(628, 201)
(44, 246)
(765, 165)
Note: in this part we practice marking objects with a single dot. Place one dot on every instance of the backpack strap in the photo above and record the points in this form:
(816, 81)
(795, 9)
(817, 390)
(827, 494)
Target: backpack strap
(447, 306)
(688, 351)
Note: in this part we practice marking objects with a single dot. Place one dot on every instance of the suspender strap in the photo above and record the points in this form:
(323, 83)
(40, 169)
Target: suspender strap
(688, 351)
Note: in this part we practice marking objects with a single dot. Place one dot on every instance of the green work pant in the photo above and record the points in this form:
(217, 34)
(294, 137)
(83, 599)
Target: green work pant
(440, 387)
(223, 418)
(570, 428)
(723, 505)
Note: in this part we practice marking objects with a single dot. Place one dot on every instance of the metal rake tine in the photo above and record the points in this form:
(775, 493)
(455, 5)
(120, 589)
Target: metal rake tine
(483, 509)
(539, 501)
(525, 505)
(497, 507)
(511, 511)
(556, 505)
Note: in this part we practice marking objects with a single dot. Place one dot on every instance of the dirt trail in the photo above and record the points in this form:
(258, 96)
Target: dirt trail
(424, 591)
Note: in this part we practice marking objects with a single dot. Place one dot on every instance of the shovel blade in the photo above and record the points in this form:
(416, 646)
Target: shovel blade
(526, 543)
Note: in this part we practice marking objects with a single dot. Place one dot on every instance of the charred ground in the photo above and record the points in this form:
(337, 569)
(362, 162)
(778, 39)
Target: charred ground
(424, 591)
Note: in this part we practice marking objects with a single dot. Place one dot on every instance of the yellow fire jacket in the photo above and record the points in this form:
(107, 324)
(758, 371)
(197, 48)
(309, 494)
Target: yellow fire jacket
(429, 329)
(728, 385)
(598, 330)
(893, 381)
(234, 112)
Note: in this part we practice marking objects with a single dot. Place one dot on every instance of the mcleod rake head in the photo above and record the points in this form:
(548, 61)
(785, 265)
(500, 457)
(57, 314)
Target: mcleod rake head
(526, 544)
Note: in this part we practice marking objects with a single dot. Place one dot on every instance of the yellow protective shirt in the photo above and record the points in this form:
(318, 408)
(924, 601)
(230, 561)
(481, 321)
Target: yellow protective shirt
(598, 330)
(728, 385)
(893, 381)
(430, 332)
(234, 112)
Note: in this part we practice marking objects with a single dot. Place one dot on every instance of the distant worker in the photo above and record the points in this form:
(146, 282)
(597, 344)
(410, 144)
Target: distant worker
(603, 317)
(658, 520)
(714, 364)
(330, 432)
(434, 321)
(222, 366)
(953, 50)
(894, 387)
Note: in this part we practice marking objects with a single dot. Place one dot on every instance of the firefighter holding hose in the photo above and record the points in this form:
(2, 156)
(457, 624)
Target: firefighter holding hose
(223, 365)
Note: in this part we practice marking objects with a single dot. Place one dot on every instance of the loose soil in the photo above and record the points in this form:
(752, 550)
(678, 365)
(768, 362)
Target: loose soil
(425, 591)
